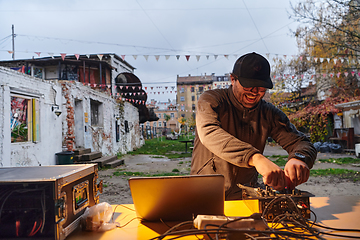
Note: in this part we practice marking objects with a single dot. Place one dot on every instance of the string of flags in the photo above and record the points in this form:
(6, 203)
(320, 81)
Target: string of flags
(318, 75)
(314, 59)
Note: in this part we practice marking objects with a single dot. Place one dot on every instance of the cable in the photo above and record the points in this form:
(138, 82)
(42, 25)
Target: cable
(262, 39)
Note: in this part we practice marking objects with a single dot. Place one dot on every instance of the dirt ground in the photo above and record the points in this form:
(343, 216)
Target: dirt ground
(116, 188)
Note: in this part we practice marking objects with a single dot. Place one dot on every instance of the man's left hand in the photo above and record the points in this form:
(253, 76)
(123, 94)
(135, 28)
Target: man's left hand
(297, 171)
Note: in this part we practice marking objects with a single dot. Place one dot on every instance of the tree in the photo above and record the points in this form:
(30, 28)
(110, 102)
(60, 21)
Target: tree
(167, 117)
(335, 22)
(329, 45)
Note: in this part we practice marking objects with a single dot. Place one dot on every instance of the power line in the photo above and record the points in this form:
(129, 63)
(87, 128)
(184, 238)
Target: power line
(154, 25)
(255, 26)
(136, 10)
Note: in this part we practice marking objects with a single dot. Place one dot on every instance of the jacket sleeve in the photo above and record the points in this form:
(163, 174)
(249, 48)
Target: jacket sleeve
(215, 138)
(290, 139)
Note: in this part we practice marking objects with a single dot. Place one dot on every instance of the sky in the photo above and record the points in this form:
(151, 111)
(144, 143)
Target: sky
(149, 34)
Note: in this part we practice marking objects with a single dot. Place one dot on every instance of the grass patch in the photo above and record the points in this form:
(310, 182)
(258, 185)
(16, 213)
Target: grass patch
(168, 148)
(338, 172)
(339, 161)
(143, 174)
(279, 160)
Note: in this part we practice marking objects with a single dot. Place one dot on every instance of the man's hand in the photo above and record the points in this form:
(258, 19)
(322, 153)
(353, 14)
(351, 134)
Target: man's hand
(272, 174)
(297, 171)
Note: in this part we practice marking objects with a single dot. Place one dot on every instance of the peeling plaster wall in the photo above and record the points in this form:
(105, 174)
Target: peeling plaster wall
(102, 136)
(29, 153)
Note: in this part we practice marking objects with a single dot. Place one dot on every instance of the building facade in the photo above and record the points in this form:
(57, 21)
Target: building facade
(49, 105)
(190, 88)
(167, 119)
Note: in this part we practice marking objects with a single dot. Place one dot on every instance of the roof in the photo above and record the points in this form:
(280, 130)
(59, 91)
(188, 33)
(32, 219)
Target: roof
(195, 79)
(70, 59)
(349, 105)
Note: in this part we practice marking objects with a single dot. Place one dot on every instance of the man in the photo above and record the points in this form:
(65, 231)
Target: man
(232, 126)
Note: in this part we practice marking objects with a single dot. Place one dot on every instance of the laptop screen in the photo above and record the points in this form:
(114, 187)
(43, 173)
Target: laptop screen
(177, 198)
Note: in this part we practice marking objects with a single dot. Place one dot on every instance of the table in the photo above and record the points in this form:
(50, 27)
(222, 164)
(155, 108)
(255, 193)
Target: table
(335, 211)
(186, 142)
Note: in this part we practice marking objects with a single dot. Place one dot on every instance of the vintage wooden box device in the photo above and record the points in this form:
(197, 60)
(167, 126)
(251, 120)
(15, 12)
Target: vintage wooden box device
(45, 202)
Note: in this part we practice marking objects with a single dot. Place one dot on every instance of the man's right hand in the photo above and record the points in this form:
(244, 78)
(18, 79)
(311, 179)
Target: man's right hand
(272, 174)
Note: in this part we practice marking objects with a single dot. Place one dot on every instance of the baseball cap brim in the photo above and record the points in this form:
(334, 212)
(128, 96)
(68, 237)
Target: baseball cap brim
(250, 82)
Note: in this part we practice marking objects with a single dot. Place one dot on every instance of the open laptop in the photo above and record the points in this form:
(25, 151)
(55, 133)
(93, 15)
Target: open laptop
(177, 198)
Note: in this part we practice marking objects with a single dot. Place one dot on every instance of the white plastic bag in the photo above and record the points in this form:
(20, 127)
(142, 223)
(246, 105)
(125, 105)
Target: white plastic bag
(97, 218)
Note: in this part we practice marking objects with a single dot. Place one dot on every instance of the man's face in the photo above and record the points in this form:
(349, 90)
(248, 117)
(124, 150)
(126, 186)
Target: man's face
(248, 97)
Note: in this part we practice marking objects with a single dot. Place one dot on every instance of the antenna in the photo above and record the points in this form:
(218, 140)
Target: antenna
(13, 43)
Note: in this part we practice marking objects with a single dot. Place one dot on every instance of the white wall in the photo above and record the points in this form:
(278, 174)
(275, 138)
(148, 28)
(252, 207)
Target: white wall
(102, 137)
(29, 153)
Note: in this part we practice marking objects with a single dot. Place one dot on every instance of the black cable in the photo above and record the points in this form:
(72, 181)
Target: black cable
(337, 229)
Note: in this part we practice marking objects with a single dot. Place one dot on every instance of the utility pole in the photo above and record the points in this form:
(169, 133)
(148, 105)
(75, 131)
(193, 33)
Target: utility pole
(13, 43)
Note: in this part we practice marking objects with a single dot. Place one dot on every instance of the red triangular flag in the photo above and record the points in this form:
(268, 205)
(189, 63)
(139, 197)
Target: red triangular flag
(63, 55)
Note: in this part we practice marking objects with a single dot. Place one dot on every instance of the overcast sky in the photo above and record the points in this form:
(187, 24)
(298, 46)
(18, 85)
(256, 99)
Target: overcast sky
(200, 29)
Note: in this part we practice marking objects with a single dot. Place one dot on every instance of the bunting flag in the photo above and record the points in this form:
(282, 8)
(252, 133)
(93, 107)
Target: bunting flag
(355, 60)
(63, 55)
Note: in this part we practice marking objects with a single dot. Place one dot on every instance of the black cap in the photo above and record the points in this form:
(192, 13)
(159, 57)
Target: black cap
(253, 70)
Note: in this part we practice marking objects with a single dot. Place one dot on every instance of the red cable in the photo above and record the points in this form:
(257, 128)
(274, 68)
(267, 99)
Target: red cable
(17, 224)
(33, 231)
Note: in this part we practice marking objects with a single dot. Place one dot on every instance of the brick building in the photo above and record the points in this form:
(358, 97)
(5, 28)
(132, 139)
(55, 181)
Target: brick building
(190, 88)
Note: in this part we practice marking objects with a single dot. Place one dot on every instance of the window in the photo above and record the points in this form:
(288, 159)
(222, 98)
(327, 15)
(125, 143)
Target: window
(172, 115)
(192, 98)
(96, 114)
(148, 124)
(164, 123)
(182, 99)
(183, 115)
(24, 119)
(159, 115)
(193, 107)
(192, 89)
(127, 126)
(164, 115)
(182, 90)
(159, 124)
(38, 72)
(154, 124)
(182, 108)
(201, 89)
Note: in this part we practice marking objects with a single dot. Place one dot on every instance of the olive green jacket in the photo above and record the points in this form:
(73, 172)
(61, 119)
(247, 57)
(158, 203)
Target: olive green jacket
(227, 135)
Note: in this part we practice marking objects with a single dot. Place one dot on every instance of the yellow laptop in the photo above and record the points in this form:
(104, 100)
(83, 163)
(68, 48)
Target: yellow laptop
(177, 198)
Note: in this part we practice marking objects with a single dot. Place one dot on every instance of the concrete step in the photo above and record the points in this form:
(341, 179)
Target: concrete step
(81, 151)
(115, 163)
(103, 160)
(91, 156)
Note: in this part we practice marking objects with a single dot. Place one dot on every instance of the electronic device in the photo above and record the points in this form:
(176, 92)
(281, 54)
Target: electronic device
(271, 203)
(46, 202)
(177, 198)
